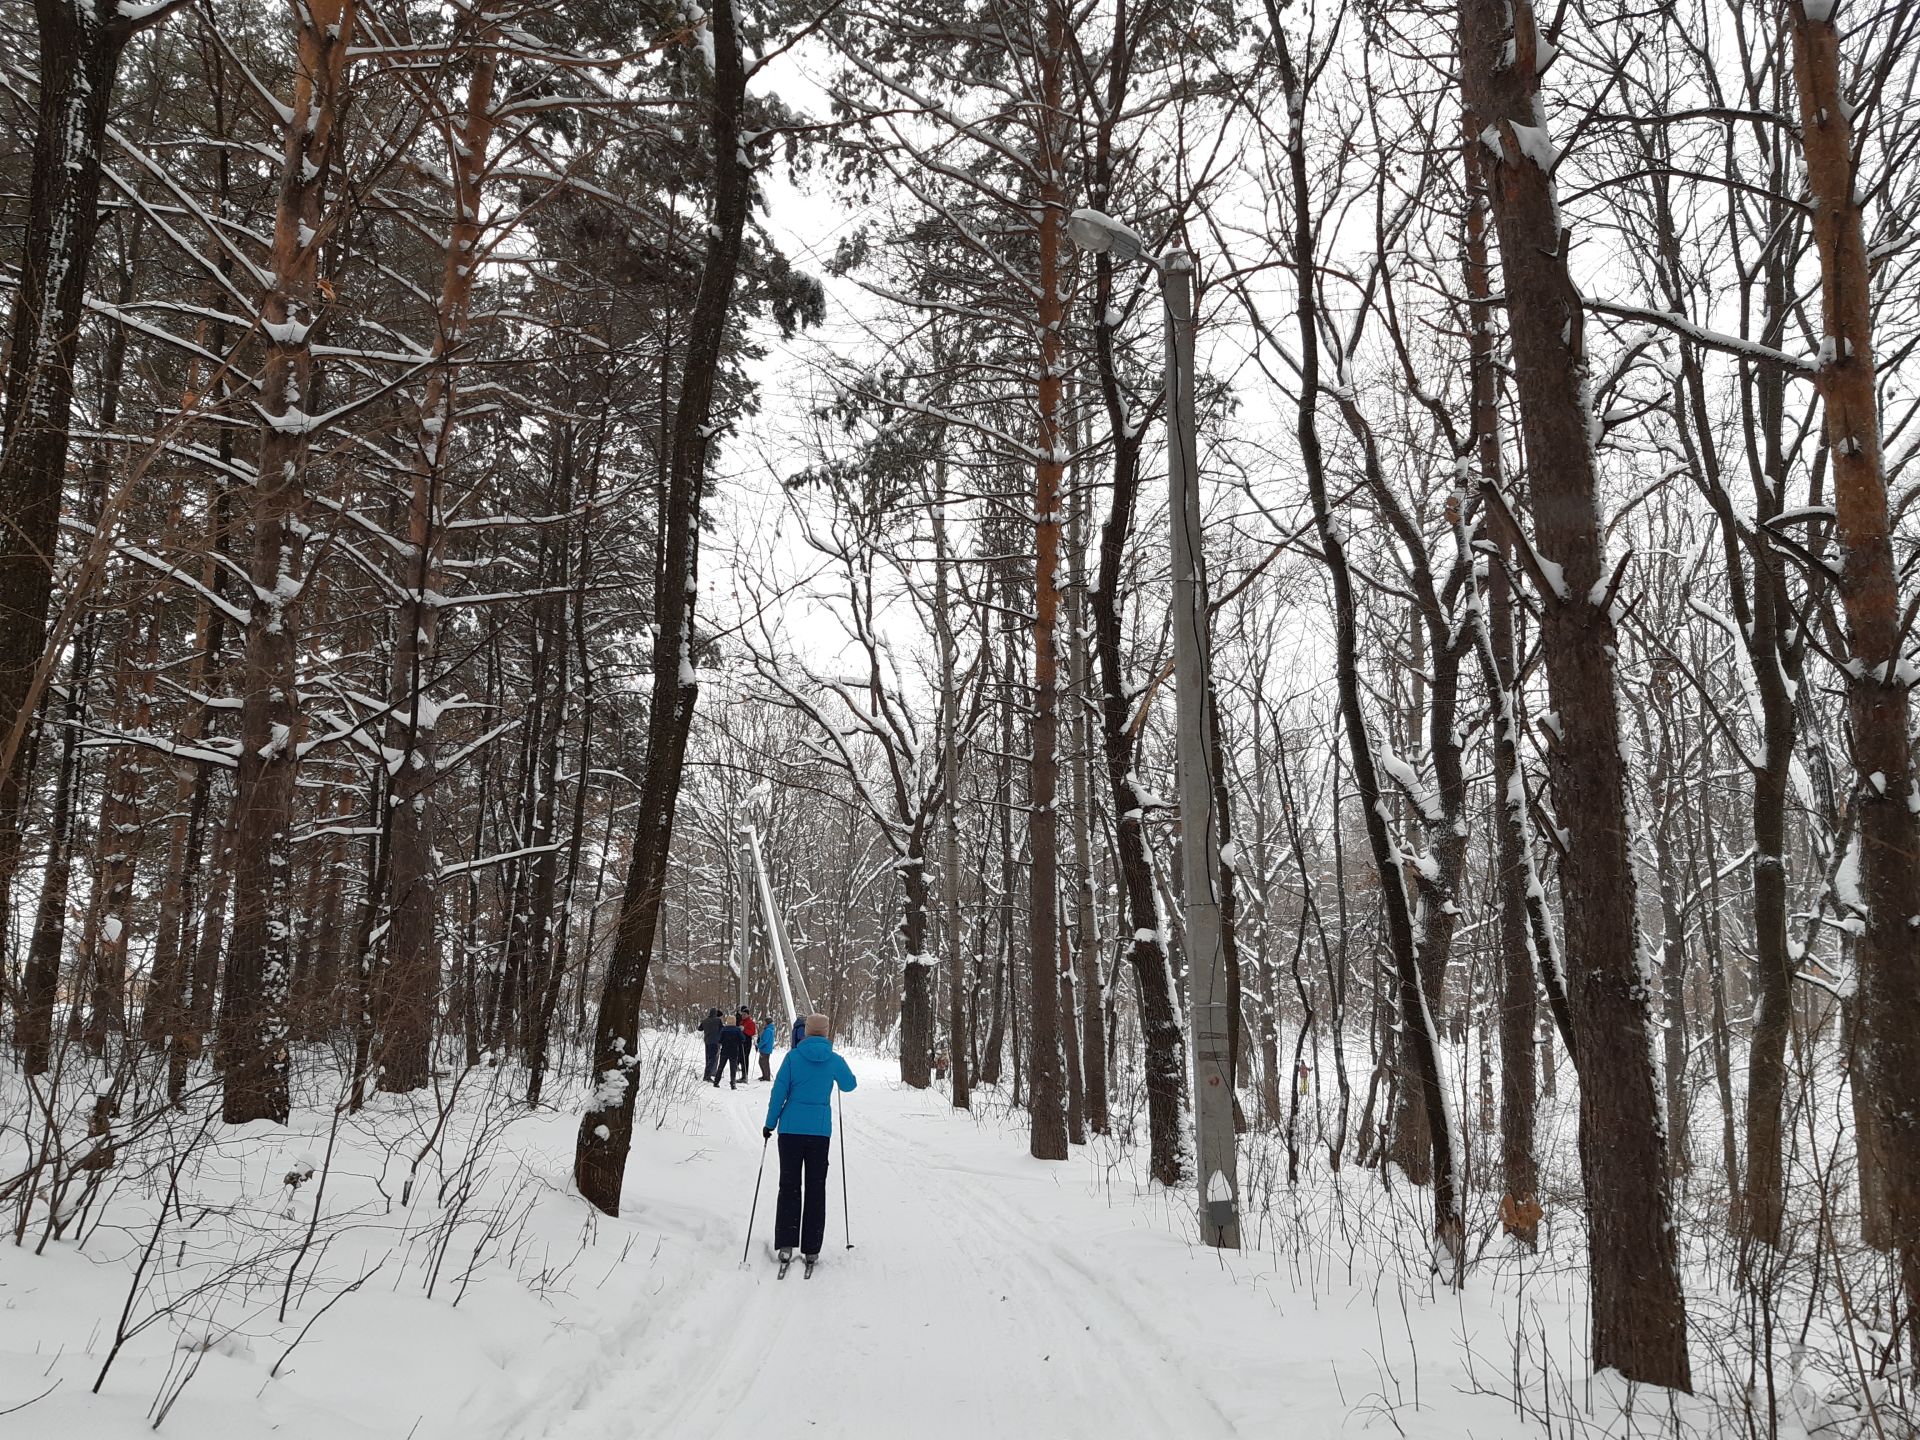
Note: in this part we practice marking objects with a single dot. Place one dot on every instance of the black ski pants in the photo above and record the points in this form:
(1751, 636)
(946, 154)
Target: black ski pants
(737, 1060)
(801, 1216)
(712, 1074)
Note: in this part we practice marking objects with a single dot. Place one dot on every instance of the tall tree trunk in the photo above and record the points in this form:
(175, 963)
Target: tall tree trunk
(1638, 1309)
(1046, 1100)
(1093, 1049)
(1070, 1044)
(916, 997)
(252, 1038)
(606, 1129)
(1887, 953)
(1162, 1036)
(1513, 859)
(957, 1046)
(546, 938)
(408, 993)
(80, 44)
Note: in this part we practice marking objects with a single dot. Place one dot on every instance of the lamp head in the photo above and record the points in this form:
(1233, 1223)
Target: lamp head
(1101, 234)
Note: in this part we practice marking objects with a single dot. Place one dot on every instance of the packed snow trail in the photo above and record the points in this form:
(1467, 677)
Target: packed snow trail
(988, 1295)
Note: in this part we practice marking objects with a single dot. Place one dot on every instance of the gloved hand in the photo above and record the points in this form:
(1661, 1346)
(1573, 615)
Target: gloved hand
(766, 1132)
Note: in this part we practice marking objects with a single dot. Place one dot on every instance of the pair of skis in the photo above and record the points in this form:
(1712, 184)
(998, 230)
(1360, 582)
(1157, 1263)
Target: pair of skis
(786, 1264)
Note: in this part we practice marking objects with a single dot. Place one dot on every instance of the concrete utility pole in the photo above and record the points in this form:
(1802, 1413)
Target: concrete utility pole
(793, 985)
(743, 924)
(1218, 1171)
(1212, 1020)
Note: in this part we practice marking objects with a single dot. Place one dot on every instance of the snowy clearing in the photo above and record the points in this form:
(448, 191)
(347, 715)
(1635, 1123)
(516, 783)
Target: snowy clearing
(987, 1294)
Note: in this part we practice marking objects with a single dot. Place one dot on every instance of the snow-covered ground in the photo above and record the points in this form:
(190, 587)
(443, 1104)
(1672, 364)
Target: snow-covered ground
(987, 1294)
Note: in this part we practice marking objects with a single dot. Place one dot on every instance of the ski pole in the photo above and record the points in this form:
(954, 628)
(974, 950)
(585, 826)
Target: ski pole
(758, 1176)
(845, 1219)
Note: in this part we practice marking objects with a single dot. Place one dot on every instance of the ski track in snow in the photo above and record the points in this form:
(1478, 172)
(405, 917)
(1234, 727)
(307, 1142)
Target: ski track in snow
(956, 1314)
(988, 1295)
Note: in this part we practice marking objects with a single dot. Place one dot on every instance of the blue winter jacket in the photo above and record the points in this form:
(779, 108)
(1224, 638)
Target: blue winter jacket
(763, 1042)
(802, 1099)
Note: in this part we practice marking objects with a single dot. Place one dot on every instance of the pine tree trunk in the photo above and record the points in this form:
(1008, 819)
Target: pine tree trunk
(408, 993)
(606, 1129)
(1887, 953)
(252, 1038)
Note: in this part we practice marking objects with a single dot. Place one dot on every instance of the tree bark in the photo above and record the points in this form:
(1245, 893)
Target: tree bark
(1093, 1047)
(916, 996)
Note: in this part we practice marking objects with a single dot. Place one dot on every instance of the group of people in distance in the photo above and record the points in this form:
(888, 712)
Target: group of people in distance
(800, 1108)
(728, 1041)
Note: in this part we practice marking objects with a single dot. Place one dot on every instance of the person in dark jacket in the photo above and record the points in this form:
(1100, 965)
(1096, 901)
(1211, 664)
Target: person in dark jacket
(710, 1032)
(801, 1109)
(733, 1052)
(747, 1031)
(799, 1031)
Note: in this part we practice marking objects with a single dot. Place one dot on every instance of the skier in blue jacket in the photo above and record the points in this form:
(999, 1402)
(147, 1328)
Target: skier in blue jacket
(801, 1108)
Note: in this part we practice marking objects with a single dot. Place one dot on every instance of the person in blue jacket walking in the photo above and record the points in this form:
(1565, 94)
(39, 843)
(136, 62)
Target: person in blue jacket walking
(801, 1109)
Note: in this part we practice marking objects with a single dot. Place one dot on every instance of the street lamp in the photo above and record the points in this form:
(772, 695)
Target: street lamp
(1213, 1021)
